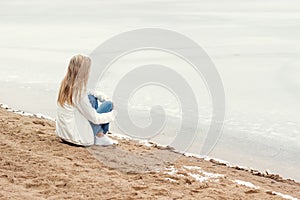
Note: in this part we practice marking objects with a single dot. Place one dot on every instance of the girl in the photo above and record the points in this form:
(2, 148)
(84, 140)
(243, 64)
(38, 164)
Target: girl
(79, 119)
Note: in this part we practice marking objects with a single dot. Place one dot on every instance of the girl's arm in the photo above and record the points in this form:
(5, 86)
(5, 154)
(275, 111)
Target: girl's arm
(99, 95)
(86, 109)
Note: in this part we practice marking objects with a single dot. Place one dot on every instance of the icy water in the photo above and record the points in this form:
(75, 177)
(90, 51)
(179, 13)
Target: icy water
(255, 46)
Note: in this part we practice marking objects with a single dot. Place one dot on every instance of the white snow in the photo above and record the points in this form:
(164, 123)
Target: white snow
(218, 160)
(145, 143)
(192, 167)
(212, 175)
(285, 196)
(198, 177)
(205, 175)
(171, 170)
(247, 184)
(170, 179)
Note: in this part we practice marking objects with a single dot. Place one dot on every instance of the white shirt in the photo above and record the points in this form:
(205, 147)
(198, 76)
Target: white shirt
(72, 122)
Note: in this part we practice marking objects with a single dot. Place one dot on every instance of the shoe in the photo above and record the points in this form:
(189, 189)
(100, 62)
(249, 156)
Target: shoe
(104, 141)
(114, 141)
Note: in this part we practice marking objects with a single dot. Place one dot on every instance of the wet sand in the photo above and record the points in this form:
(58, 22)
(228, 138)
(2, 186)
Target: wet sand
(35, 164)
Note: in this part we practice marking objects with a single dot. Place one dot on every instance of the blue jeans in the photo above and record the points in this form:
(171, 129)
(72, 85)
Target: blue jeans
(104, 107)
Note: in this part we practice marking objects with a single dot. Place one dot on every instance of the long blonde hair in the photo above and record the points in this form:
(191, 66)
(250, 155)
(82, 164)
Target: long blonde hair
(75, 80)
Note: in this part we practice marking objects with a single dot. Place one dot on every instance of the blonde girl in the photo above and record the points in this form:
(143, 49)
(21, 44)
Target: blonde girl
(78, 122)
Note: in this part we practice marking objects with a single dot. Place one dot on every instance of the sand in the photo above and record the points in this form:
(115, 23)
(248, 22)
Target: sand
(35, 164)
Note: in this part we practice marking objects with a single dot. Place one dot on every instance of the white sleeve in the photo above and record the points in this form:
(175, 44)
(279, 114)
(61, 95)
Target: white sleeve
(86, 109)
(101, 96)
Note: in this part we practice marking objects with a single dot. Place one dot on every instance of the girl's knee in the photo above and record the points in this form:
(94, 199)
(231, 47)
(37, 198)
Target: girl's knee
(108, 104)
(105, 106)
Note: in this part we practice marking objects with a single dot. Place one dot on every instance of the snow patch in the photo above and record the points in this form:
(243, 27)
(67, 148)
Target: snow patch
(170, 179)
(218, 160)
(146, 143)
(192, 167)
(285, 196)
(171, 170)
(198, 177)
(205, 175)
(212, 175)
(247, 184)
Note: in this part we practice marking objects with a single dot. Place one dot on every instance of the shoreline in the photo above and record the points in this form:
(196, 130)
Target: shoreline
(217, 161)
(39, 164)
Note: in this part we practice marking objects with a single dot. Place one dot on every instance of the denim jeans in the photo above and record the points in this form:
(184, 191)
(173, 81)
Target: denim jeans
(104, 107)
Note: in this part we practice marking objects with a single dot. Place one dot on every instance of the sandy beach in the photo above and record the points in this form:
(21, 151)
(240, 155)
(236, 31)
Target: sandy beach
(35, 164)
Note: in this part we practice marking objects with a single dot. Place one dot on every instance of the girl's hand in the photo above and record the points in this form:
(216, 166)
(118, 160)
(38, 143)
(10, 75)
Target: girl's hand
(101, 96)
